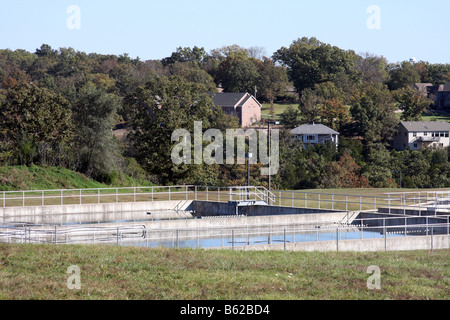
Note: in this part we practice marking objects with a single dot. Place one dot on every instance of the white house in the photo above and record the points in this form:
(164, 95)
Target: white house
(315, 134)
(416, 135)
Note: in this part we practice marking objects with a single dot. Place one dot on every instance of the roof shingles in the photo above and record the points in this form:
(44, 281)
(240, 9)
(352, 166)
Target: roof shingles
(426, 126)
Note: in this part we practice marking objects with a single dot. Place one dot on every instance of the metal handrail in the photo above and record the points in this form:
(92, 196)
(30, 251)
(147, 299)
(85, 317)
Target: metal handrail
(133, 233)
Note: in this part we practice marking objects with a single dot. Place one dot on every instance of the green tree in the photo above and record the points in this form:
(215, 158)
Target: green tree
(94, 113)
(411, 102)
(403, 75)
(238, 73)
(310, 62)
(155, 111)
(290, 118)
(378, 166)
(31, 116)
(186, 54)
(374, 114)
(273, 80)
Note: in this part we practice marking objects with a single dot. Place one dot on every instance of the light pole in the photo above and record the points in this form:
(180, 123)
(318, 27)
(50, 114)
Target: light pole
(249, 156)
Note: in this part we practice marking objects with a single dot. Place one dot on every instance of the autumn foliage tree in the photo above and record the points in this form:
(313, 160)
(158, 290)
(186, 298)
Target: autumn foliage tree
(344, 173)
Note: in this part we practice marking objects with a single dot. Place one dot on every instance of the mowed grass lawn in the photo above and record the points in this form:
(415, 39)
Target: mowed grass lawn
(279, 108)
(108, 272)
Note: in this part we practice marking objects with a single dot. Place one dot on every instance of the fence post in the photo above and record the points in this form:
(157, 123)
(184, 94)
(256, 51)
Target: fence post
(385, 234)
(292, 198)
(389, 203)
(98, 195)
(4, 199)
(117, 235)
(134, 194)
(319, 200)
(62, 201)
(405, 226)
(232, 239)
(270, 235)
(80, 197)
(198, 238)
(23, 198)
(431, 238)
(362, 228)
(56, 234)
(448, 220)
(404, 203)
(420, 207)
(337, 239)
(284, 238)
(42, 197)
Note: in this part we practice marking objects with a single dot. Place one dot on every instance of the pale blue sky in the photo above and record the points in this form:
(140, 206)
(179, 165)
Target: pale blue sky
(154, 29)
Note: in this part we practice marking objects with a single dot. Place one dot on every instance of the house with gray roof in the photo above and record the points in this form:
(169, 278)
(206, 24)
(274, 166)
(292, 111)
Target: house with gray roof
(416, 135)
(440, 94)
(311, 134)
(443, 97)
(242, 105)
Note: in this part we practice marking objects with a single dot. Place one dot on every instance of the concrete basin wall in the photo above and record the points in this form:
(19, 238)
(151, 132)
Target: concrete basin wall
(365, 245)
(208, 208)
(92, 213)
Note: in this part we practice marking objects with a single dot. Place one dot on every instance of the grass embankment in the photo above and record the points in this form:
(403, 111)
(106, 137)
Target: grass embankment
(51, 178)
(39, 272)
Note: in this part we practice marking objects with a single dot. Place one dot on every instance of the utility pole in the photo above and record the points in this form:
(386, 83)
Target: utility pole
(270, 153)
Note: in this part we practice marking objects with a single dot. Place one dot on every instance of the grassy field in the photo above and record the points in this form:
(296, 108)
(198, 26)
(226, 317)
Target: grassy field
(40, 272)
(435, 116)
(279, 108)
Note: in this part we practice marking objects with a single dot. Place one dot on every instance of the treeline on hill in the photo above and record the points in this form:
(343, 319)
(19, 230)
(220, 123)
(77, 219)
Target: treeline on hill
(59, 108)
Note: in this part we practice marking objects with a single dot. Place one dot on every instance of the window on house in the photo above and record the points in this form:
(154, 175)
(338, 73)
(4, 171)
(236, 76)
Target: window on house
(414, 134)
(311, 138)
(446, 134)
(415, 145)
(442, 134)
(425, 134)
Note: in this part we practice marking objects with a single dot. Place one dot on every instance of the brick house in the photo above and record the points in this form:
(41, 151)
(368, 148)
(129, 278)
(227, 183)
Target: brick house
(242, 105)
(416, 135)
